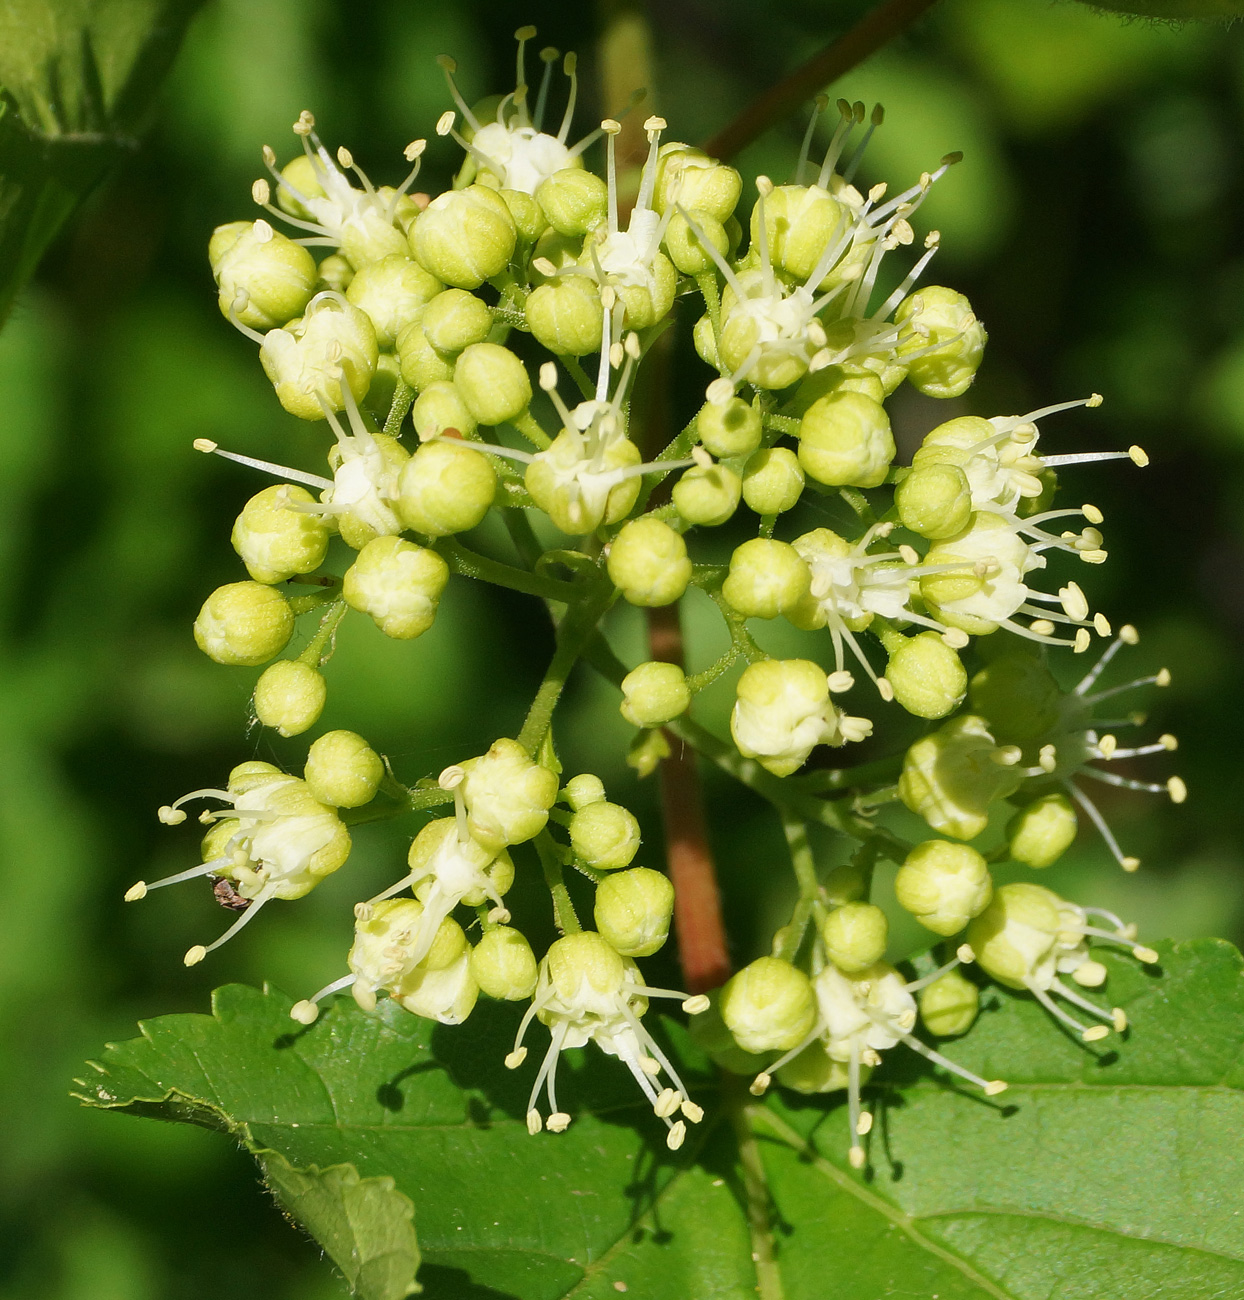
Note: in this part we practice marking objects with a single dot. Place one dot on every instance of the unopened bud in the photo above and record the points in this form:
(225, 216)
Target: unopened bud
(573, 200)
(604, 836)
(398, 584)
(633, 910)
(943, 885)
(503, 965)
(648, 561)
(464, 237)
(654, 693)
(493, 383)
(277, 541)
(393, 292)
(845, 441)
(446, 487)
(773, 481)
(289, 697)
(926, 676)
(244, 624)
(766, 578)
(1040, 833)
(949, 1005)
(342, 770)
(768, 1006)
(855, 936)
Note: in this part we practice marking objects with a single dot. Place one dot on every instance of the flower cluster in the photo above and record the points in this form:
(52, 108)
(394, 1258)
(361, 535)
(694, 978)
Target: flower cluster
(430, 347)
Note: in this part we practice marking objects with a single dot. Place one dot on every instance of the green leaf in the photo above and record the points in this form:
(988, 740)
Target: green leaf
(77, 79)
(1104, 1171)
(1221, 11)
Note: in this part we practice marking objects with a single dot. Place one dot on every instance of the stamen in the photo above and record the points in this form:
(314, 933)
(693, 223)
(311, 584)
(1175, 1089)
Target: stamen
(207, 446)
(198, 952)
(1127, 863)
(818, 107)
(449, 67)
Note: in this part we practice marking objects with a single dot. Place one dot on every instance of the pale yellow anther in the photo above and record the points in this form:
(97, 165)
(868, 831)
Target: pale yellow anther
(760, 1084)
(932, 239)
(136, 891)
(611, 126)
(534, 1122)
(545, 267)
(1119, 1016)
(955, 638)
(363, 911)
(1163, 677)
(570, 63)
(864, 1124)
(548, 376)
(345, 157)
(631, 343)
(677, 1136)
(870, 1058)
(261, 192)
(268, 155)
(655, 123)
(1042, 627)
(697, 1005)
(515, 1058)
(526, 32)
(720, 391)
(965, 953)
(1007, 755)
(816, 334)
(996, 1086)
(1083, 640)
(263, 231)
(305, 1012)
(1095, 556)
(1101, 624)
(885, 689)
(701, 458)
(667, 1103)
(1074, 601)
(451, 778)
(1047, 760)
(650, 1066)
(1147, 955)
(1089, 974)
(204, 445)
(693, 1112)
(195, 955)
(1177, 790)
(608, 297)
(206, 817)
(856, 1157)
(414, 150)
(616, 354)
(909, 553)
(558, 1122)
(499, 916)
(1139, 455)
(445, 123)
(1130, 864)
(877, 193)
(171, 816)
(305, 124)
(550, 54)
(1128, 634)
(1095, 1034)
(1107, 745)
(1168, 742)
(1095, 399)
(840, 681)
(764, 186)
(901, 232)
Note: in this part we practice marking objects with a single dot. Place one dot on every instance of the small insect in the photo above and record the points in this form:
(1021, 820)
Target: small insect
(228, 896)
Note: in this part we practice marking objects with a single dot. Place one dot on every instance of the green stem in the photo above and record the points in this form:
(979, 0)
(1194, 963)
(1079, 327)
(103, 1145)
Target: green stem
(574, 369)
(783, 424)
(469, 564)
(529, 427)
(403, 398)
(859, 503)
(563, 909)
(698, 681)
(706, 281)
(522, 535)
(796, 832)
(757, 1199)
(313, 656)
(305, 604)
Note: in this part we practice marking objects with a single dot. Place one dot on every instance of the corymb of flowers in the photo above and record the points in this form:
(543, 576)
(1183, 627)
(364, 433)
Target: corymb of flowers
(946, 589)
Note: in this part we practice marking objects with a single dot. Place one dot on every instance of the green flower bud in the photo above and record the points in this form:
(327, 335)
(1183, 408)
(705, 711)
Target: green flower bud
(707, 494)
(926, 675)
(342, 770)
(1039, 834)
(855, 936)
(705, 340)
(845, 441)
(814, 1071)
(847, 883)
(398, 584)
(565, 315)
(800, 223)
(943, 885)
(934, 501)
(583, 789)
(578, 965)
(742, 340)
(503, 965)
(691, 179)
(574, 201)
(263, 278)
(633, 911)
(952, 776)
(604, 835)
(561, 251)
(730, 428)
(446, 487)
(276, 542)
(686, 244)
(847, 378)
(438, 408)
(766, 578)
(709, 1033)
(1016, 933)
(455, 319)
(422, 365)
(464, 237)
(448, 995)
(649, 302)
(393, 292)
(508, 796)
(648, 562)
(244, 624)
(773, 481)
(493, 383)
(1018, 697)
(289, 697)
(654, 693)
(529, 218)
(941, 319)
(335, 273)
(769, 1006)
(949, 1005)
(783, 712)
(574, 486)
(309, 358)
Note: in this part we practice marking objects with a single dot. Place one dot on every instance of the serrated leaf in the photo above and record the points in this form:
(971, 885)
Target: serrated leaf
(1179, 10)
(1102, 1172)
(77, 79)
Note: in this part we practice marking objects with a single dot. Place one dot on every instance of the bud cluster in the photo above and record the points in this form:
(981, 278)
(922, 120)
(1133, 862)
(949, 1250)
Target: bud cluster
(429, 350)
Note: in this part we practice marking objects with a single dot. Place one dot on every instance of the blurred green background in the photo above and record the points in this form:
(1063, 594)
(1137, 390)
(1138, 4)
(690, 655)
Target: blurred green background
(1095, 225)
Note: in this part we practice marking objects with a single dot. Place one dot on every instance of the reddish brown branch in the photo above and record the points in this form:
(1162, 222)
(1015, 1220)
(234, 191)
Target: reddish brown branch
(698, 922)
(868, 35)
